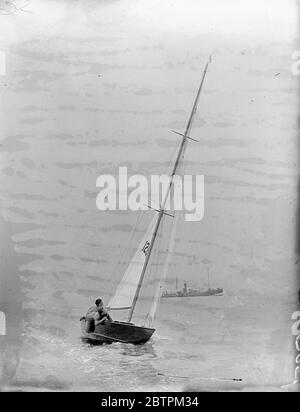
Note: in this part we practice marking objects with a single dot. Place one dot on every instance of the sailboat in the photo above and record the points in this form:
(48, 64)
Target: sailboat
(127, 294)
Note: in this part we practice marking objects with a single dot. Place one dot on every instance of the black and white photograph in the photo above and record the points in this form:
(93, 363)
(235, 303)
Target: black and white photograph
(149, 198)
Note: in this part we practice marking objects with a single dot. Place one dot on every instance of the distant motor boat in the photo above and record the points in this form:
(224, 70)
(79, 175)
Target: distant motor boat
(186, 292)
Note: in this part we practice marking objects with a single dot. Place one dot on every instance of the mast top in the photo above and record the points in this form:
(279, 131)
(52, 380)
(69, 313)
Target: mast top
(194, 109)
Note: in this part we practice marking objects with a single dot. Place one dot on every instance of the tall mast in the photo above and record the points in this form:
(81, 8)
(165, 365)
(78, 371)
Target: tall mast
(185, 138)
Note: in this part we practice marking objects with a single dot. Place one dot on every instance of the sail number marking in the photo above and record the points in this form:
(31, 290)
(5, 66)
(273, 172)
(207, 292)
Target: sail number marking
(146, 248)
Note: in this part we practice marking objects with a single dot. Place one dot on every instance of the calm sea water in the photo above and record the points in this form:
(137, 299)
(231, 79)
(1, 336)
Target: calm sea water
(200, 343)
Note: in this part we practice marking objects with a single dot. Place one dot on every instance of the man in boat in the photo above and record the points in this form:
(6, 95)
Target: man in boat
(96, 315)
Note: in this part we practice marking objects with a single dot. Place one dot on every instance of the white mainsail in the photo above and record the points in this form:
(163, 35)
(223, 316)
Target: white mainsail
(124, 295)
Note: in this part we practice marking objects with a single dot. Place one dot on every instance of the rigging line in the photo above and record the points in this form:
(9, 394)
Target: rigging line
(164, 268)
(158, 249)
(159, 245)
(170, 249)
(172, 157)
(154, 269)
(160, 252)
(167, 169)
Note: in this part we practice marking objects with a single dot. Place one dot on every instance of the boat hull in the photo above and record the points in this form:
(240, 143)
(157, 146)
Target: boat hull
(117, 332)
